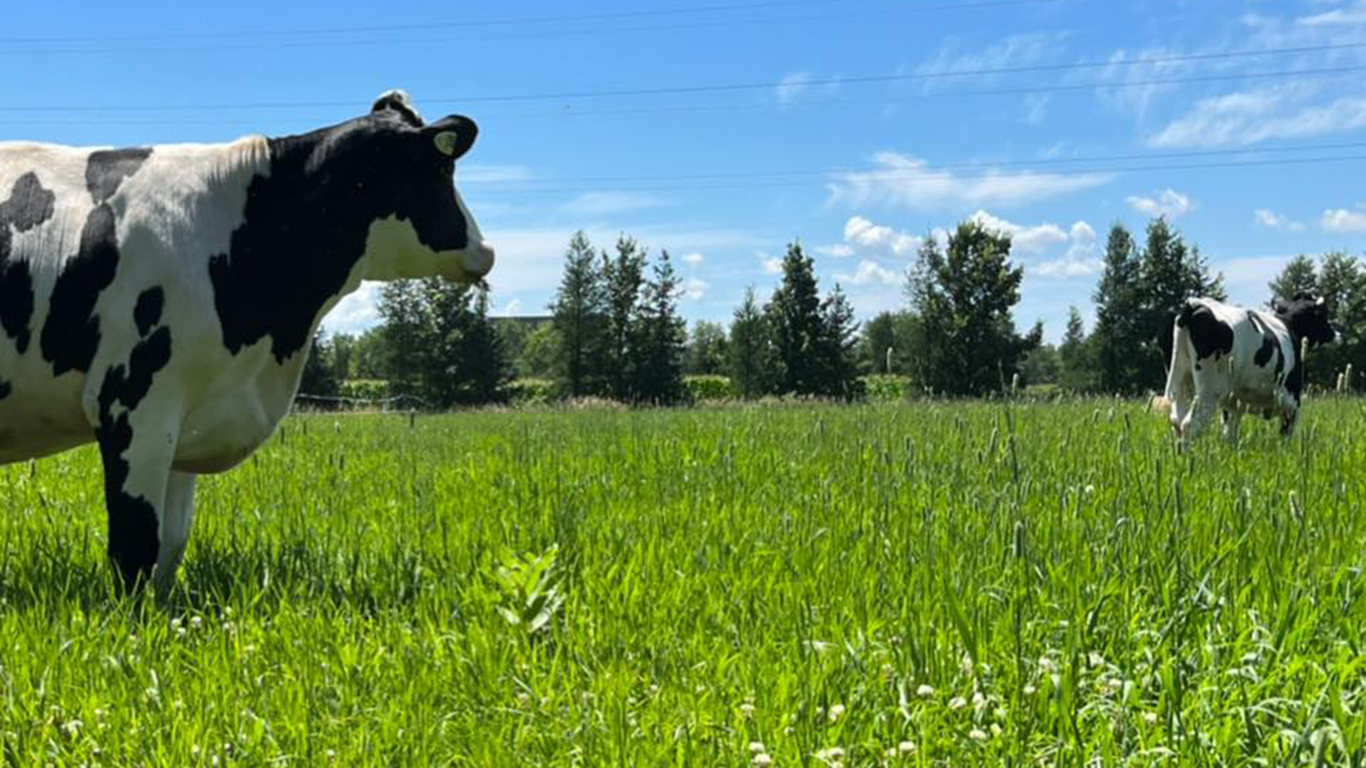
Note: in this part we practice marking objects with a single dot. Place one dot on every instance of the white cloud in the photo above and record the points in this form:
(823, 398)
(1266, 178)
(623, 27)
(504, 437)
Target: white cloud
(355, 312)
(869, 272)
(1288, 111)
(1036, 106)
(864, 234)
(1272, 220)
(1344, 220)
(1169, 203)
(695, 288)
(607, 203)
(511, 308)
(1077, 260)
(908, 181)
(772, 265)
(1139, 87)
(694, 258)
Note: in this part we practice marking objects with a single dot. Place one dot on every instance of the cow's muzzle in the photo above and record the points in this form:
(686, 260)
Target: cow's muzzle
(472, 263)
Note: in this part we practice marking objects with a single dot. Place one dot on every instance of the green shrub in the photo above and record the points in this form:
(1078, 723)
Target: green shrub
(531, 391)
(709, 387)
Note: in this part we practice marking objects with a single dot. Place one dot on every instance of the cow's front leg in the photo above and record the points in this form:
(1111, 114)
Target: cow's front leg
(1201, 414)
(177, 515)
(137, 465)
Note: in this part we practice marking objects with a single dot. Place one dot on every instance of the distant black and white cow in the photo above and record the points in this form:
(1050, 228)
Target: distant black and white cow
(160, 300)
(1240, 361)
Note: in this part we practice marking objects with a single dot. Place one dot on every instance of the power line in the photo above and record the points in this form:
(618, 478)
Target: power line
(917, 7)
(753, 86)
(881, 172)
(921, 174)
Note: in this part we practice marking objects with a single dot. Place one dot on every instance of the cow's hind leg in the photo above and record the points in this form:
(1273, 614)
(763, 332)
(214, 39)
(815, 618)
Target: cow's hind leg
(177, 516)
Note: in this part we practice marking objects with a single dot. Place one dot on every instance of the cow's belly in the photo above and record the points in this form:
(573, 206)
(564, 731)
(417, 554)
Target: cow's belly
(222, 432)
(40, 421)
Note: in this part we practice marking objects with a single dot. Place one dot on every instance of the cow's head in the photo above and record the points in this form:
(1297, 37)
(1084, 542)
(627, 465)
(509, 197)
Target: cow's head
(424, 229)
(1307, 316)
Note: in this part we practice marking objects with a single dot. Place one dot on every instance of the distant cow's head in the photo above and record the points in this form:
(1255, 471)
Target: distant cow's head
(423, 228)
(1307, 317)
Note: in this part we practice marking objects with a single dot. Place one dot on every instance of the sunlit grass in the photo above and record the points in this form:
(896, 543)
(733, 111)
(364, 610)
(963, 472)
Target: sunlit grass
(973, 584)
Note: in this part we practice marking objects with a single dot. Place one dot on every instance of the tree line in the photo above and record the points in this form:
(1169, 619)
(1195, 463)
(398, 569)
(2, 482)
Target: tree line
(613, 329)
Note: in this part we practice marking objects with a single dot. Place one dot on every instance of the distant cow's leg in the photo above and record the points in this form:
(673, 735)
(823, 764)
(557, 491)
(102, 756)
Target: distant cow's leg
(177, 516)
(1231, 421)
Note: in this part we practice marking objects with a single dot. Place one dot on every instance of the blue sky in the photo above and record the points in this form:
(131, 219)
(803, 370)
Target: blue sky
(722, 131)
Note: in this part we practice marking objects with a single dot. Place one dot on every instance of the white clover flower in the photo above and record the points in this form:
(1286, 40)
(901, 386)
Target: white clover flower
(757, 746)
(761, 760)
(957, 702)
(836, 711)
(196, 622)
(1094, 659)
(977, 734)
(747, 709)
(831, 755)
(1150, 718)
(906, 747)
(924, 690)
(1029, 689)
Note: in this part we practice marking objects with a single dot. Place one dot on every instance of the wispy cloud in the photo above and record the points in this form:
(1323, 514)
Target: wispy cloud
(694, 258)
(481, 173)
(908, 181)
(1013, 51)
(1168, 202)
(771, 265)
(1242, 118)
(356, 311)
(1272, 220)
(608, 203)
(1344, 220)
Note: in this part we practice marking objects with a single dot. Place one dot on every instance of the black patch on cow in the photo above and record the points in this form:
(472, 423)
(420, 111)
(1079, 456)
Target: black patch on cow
(1210, 336)
(1271, 344)
(72, 331)
(28, 206)
(133, 537)
(305, 224)
(5, 389)
(105, 170)
(147, 313)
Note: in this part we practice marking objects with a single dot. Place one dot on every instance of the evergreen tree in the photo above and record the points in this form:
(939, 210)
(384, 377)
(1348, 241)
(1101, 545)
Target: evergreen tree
(964, 297)
(623, 278)
(1076, 369)
(481, 363)
(835, 363)
(753, 359)
(406, 353)
(659, 339)
(796, 324)
(579, 309)
(1298, 276)
(1117, 297)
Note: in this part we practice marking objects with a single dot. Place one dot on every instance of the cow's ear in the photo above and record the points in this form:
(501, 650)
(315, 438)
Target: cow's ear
(398, 103)
(452, 135)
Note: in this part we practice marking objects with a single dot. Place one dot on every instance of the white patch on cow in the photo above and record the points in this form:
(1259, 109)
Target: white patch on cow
(393, 251)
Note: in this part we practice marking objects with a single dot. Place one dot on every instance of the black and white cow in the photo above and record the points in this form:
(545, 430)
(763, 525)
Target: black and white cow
(160, 301)
(1240, 361)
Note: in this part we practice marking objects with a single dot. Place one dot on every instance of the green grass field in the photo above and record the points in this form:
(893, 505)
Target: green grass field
(975, 584)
